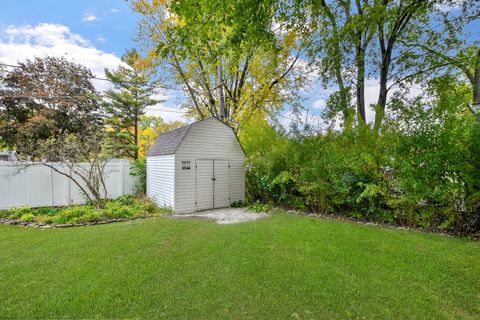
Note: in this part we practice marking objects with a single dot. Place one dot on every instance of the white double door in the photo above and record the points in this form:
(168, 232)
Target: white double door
(212, 184)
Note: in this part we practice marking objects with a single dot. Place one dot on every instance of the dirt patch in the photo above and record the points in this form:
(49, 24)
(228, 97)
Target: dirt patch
(224, 216)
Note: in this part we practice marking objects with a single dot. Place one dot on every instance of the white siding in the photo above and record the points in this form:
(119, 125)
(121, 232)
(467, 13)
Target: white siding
(160, 180)
(208, 139)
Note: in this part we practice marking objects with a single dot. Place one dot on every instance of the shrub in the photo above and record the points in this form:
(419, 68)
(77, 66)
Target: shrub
(259, 207)
(139, 169)
(126, 200)
(27, 217)
(116, 210)
(72, 214)
(237, 204)
(16, 213)
(45, 219)
(90, 216)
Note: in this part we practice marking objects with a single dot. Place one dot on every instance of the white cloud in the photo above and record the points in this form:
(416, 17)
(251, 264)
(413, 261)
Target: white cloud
(101, 38)
(114, 10)
(448, 6)
(319, 103)
(18, 43)
(89, 17)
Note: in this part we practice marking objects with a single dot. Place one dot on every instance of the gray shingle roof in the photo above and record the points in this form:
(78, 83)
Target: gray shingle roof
(168, 142)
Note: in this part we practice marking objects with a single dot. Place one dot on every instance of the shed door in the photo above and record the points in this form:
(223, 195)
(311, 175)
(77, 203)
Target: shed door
(212, 184)
(221, 184)
(204, 184)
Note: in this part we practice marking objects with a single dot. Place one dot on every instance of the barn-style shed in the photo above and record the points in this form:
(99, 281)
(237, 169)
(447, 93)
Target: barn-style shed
(196, 167)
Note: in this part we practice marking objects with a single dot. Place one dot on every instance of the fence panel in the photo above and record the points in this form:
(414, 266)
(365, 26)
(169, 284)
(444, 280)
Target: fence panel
(40, 186)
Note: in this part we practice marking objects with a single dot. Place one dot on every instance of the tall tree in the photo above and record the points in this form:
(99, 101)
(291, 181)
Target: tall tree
(125, 104)
(341, 36)
(49, 112)
(225, 55)
(397, 22)
(45, 98)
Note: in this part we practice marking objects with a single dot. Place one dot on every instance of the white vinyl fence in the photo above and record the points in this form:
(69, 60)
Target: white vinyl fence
(40, 186)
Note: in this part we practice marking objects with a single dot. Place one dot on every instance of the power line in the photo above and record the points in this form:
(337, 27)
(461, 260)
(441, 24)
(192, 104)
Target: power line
(293, 120)
(165, 110)
(66, 97)
(103, 79)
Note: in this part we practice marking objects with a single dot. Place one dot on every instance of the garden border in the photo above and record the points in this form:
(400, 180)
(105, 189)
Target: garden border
(6, 221)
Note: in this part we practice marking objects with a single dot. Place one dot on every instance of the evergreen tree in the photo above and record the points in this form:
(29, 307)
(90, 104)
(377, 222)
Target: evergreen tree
(126, 103)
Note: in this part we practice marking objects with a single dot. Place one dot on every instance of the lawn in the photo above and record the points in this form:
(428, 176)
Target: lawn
(283, 267)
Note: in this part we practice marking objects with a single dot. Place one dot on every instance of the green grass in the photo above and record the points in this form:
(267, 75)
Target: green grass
(283, 267)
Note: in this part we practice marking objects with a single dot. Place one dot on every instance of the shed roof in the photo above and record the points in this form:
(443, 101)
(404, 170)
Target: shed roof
(168, 142)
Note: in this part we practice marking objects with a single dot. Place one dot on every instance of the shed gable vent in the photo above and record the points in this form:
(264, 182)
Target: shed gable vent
(185, 165)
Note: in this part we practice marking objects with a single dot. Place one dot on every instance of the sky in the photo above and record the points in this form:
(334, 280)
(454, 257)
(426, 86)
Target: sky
(96, 33)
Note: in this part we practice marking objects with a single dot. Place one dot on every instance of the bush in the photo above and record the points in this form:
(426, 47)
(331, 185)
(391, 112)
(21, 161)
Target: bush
(27, 217)
(71, 214)
(17, 213)
(237, 204)
(117, 210)
(122, 207)
(423, 170)
(259, 207)
(93, 216)
(139, 169)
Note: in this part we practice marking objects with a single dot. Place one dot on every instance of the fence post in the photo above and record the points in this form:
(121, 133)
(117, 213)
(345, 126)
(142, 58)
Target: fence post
(53, 192)
(121, 176)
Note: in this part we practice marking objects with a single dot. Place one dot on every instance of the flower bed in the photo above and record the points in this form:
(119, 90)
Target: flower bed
(120, 209)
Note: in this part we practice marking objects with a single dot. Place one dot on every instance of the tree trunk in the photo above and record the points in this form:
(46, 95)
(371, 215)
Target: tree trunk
(476, 87)
(382, 95)
(221, 97)
(361, 83)
(135, 137)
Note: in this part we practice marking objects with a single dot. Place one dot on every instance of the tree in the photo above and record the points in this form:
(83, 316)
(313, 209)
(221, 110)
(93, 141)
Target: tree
(341, 36)
(449, 48)
(49, 112)
(43, 99)
(150, 127)
(125, 104)
(382, 40)
(82, 158)
(225, 55)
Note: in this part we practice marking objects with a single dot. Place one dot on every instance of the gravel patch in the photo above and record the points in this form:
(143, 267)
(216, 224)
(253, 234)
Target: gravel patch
(224, 215)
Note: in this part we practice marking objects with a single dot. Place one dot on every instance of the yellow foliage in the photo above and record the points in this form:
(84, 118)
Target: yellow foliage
(146, 138)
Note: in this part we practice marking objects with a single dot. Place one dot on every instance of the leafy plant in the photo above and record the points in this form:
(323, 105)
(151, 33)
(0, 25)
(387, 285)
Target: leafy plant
(139, 170)
(27, 217)
(237, 204)
(259, 207)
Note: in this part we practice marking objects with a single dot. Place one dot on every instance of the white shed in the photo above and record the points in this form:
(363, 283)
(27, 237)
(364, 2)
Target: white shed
(196, 167)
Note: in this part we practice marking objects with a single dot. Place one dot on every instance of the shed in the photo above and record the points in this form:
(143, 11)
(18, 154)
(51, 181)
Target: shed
(196, 167)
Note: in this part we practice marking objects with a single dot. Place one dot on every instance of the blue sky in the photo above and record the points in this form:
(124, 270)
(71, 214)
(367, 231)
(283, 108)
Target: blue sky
(96, 33)
(110, 25)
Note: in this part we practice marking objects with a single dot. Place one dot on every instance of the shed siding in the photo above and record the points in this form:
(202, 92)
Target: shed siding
(161, 180)
(208, 139)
